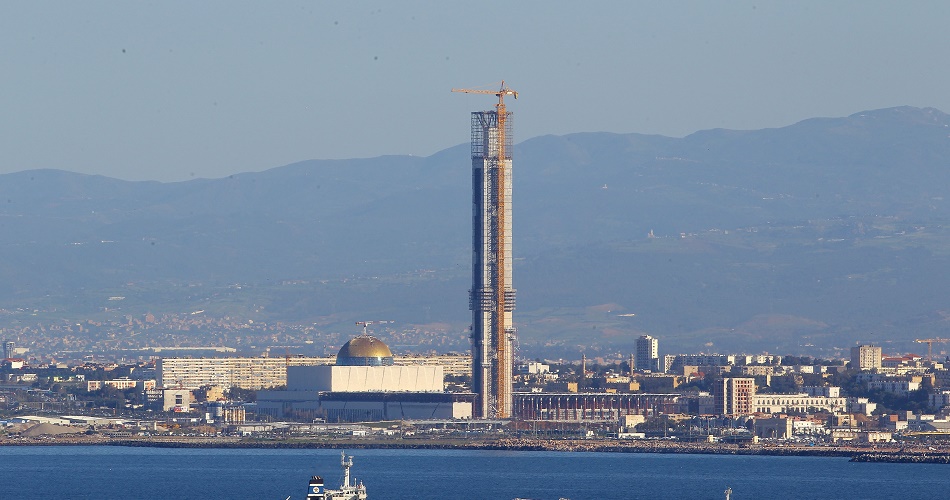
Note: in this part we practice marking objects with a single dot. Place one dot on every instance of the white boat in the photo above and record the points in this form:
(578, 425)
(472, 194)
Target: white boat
(351, 489)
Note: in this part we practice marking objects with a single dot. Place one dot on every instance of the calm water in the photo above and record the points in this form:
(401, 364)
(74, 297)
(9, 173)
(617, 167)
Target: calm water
(48, 473)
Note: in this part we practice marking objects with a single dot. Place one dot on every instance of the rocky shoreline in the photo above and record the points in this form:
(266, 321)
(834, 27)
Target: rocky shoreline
(856, 454)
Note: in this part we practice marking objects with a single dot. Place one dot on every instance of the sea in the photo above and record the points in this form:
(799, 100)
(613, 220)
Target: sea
(107, 472)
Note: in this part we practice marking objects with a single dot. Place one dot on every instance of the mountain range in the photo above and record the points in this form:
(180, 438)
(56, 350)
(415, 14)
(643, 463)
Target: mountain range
(803, 239)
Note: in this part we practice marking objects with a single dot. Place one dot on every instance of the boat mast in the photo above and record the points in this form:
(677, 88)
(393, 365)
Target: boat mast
(346, 468)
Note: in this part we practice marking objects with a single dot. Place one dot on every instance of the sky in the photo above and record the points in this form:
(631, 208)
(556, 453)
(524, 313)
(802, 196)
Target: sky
(175, 90)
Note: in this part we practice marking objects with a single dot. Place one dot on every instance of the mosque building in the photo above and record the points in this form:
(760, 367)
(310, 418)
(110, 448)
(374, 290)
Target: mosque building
(365, 385)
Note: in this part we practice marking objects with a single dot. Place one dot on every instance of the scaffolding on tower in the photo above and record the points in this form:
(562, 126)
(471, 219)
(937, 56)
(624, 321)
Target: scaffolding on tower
(492, 293)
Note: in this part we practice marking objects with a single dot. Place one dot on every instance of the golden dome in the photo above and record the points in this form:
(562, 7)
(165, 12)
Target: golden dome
(364, 346)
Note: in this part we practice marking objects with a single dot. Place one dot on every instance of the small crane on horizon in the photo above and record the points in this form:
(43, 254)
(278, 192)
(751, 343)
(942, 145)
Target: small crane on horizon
(930, 344)
(364, 324)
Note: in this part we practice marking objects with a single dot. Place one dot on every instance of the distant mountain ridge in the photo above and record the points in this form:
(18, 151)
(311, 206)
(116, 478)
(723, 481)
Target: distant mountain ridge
(745, 226)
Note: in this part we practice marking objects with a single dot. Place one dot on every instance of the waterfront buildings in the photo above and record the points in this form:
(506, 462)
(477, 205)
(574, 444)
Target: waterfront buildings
(734, 396)
(364, 385)
(590, 406)
(798, 403)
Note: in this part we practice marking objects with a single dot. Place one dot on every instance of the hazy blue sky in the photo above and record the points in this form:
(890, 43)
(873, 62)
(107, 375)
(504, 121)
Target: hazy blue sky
(171, 90)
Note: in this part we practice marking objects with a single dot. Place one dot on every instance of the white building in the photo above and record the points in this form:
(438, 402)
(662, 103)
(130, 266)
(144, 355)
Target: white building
(533, 368)
(894, 386)
(757, 359)
(648, 356)
(120, 384)
(861, 405)
(365, 378)
(801, 403)
(246, 373)
(826, 391)
(176, 400)
(365, 385)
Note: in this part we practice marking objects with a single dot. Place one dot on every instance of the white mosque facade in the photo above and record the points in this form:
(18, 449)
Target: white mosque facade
(364, 385)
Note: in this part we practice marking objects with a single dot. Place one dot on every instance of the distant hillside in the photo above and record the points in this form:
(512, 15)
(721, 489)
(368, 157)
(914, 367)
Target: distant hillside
(822, 233)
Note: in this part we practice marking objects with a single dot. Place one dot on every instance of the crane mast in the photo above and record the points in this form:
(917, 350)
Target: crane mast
(930, 344)
(500, 391)
(365, 324)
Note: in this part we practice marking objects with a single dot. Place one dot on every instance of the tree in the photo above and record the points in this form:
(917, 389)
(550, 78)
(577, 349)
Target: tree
(240, 394)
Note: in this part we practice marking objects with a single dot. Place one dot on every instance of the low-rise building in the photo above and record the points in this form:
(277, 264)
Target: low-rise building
(532, 368)
(826, 391)
(939, 400)
(120, 384)
(893, 423)
(227, 413)
(754, 370)
(871, 436)
(894, 386)
(809, 427)
(176, 400)
(863, 406)
(13, 363)
(775, 427)
(799, 403)
(658, 383)
(703, 360)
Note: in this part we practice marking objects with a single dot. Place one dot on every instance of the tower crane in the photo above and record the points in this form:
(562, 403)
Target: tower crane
(930, 343)
(364, 324)
(502, 113)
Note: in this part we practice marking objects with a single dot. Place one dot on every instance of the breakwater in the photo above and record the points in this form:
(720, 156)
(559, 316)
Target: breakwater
(881, 453)
(903, 458)
(504, 444)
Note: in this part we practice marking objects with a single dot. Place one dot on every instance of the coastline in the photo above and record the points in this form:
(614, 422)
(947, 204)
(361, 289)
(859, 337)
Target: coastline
(888, 454)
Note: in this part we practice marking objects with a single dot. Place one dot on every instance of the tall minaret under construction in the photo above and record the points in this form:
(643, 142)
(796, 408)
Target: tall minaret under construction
(492, 298)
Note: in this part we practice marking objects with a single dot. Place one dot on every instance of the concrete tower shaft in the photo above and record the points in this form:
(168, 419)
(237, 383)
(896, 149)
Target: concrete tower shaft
(492, 297)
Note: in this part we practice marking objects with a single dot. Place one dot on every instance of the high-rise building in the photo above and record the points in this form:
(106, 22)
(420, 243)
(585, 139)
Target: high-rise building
(865, 357)
(492, 297)
(734, 396)
(8, 349)
(648, 354)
